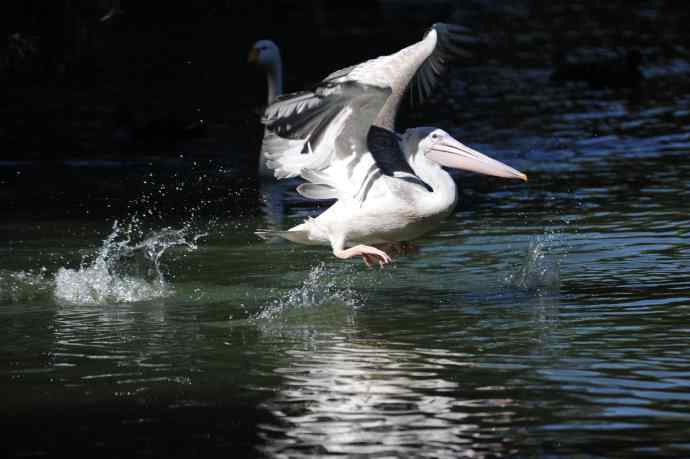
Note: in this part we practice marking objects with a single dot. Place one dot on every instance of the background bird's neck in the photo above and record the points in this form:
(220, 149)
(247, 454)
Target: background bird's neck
(274, 77)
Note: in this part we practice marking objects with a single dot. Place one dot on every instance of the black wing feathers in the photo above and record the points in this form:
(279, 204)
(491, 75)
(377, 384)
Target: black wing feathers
(308, 114)
(385, 148)
(295, 116)
(449, 46)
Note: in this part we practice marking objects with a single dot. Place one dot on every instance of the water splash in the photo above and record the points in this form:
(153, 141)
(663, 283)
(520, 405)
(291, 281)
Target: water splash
(123, 271)
(23, 286)
(539, 270)
(324, 286)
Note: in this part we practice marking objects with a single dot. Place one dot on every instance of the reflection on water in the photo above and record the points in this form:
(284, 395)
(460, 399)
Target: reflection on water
(356, 397)
(543, 319)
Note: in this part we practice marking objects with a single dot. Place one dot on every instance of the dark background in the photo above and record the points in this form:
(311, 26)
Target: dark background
(161, 73)
(170, 79)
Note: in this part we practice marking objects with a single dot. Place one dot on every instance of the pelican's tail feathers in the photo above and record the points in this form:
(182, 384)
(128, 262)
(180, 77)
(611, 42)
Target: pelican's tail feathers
(298, 236)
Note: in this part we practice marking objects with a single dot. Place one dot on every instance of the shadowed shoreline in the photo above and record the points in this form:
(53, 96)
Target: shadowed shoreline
(153, 79)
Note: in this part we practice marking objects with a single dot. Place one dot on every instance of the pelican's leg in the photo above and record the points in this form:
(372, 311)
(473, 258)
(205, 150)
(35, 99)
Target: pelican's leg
(369, 254)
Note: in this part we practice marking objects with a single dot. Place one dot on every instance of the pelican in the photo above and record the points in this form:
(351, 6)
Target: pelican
(266, 55)
(340, 137)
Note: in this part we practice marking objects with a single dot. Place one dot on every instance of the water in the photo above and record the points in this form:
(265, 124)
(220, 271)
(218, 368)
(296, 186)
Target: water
(141, 316)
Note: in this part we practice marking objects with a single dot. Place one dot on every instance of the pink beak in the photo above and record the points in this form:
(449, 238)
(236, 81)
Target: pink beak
(451, 153)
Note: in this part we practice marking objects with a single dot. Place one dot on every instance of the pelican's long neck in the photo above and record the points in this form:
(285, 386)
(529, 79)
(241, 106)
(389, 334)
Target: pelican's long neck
(400, 69)
(274, 78)
(445, 194)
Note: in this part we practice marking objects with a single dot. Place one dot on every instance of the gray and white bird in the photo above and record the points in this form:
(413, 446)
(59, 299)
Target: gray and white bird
(266, 55)
(340, 136)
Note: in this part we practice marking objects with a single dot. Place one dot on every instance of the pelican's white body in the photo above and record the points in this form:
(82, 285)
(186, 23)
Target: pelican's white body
(394, 211)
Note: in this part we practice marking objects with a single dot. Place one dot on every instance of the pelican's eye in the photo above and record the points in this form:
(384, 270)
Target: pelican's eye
(435, 136)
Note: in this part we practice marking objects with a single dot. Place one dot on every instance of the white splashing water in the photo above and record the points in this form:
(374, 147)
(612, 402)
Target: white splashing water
(539, 270)
(323, 286)
(23, 286)
(123, 271)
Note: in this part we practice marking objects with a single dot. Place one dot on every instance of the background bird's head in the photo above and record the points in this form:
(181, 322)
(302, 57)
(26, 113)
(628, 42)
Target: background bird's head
(264, 53)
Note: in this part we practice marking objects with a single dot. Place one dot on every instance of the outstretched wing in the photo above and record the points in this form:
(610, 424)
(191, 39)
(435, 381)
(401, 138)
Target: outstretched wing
(452, 42)
(321, 134)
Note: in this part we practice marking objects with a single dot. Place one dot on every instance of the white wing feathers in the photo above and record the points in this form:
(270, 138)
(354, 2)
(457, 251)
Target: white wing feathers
(321, 135)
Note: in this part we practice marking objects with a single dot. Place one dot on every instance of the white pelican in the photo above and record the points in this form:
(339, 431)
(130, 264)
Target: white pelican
(266, 55)
(339, 136)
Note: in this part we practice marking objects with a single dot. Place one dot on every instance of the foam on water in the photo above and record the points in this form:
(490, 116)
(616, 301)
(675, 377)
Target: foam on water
(123, 270)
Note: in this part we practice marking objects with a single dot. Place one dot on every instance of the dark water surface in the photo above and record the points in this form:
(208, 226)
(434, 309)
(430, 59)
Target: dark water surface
(141, 316)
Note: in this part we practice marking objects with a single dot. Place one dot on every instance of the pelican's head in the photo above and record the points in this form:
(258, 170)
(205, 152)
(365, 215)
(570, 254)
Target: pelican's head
(440, 147)
(264, 53)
